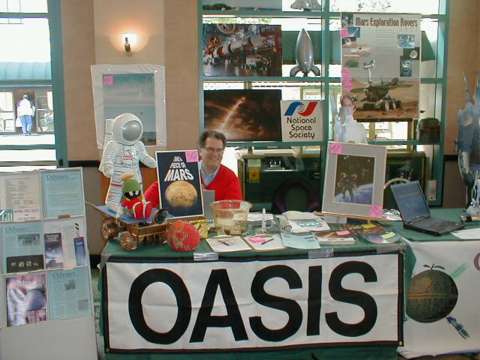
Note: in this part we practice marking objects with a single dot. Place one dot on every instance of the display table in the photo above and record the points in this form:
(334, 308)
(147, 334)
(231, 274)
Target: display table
(442, 278)
(337, 302)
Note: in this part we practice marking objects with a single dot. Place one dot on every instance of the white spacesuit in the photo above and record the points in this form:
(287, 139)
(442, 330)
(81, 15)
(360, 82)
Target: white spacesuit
(122, 155)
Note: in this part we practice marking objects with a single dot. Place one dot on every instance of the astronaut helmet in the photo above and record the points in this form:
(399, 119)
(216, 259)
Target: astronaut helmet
(127, 129)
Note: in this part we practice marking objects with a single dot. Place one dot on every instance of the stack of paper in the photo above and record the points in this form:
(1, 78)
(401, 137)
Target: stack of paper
(339, 237)
(300, 241)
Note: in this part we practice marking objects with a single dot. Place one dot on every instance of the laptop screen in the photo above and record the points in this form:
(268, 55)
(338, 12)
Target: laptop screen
(410, 200)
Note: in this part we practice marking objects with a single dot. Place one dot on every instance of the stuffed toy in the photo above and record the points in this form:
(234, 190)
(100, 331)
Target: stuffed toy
(182, 236)
(132, 200)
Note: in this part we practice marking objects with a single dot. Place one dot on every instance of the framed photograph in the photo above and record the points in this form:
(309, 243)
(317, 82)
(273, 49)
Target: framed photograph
(355, 175)
(136, 89)
(179, 184)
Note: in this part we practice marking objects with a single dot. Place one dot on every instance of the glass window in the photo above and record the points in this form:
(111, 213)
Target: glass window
(33, 6)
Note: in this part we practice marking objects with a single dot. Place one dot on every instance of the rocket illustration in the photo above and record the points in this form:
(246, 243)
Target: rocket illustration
(304, 55)
(459, 327)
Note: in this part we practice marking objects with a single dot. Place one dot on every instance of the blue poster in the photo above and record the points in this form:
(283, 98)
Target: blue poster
(180, 189)
(62, 193)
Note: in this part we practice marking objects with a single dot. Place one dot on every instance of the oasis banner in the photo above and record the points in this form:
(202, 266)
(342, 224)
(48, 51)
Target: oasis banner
(442, 314)
(302, 120)
(241, 305)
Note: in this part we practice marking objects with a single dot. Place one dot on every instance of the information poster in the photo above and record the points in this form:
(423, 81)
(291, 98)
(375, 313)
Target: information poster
(179, 182)
(63, 193)
(19, 198)
(302, 121)
(69, 294)
(381, 64)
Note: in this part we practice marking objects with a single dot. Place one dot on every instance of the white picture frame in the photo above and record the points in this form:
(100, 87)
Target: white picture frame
(137, 89)
(355, 176)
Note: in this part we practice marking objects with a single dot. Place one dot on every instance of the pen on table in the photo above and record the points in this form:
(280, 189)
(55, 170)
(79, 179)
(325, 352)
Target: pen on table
(223, 242)
(264, 228)
(266, 241)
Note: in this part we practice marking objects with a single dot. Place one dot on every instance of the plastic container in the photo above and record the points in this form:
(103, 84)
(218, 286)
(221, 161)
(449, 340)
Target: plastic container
(230, 216)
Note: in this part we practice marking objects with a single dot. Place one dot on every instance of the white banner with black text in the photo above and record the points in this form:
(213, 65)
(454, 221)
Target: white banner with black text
(243, 304)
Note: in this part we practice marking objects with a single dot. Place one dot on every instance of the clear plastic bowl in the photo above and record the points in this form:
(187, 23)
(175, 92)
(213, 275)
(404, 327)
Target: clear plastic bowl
(230, 216)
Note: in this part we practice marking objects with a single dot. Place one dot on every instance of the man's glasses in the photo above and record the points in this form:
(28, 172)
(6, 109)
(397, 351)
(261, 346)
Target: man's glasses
(214, 150)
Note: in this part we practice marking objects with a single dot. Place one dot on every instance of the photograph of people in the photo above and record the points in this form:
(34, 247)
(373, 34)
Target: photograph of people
(354, 179)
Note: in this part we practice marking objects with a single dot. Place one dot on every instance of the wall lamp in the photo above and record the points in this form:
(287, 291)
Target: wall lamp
(129, 42)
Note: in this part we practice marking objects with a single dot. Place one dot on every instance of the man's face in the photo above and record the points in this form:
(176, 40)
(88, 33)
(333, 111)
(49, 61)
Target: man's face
(212, 153)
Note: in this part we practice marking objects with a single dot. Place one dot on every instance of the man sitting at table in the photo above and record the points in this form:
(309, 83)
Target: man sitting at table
(214, 175)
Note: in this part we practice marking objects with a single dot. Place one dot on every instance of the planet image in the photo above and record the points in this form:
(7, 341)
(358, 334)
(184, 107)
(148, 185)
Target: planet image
(181, 194)
(432, 296)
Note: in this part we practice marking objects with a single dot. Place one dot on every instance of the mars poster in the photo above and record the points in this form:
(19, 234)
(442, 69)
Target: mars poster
(381, 64)
(179, 184)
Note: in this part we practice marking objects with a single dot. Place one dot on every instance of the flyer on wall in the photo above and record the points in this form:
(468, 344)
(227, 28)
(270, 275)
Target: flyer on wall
(381, 64)
(69, 294)
(180, 189)
(17, 204)
(22, 247)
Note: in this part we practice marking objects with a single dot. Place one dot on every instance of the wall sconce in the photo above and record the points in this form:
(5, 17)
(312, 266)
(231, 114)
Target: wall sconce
(129, 42)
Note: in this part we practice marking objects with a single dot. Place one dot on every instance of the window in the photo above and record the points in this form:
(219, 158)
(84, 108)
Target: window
(323, 22)
(29, 113)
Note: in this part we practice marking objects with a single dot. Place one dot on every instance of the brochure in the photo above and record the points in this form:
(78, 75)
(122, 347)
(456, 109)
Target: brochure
(16, 204)
(69, 294)
(227, 244)
(265, 242)
(22, 247)
(62, 193)
(26, 299)
(375, 234)
(300, 241)
(179, 184)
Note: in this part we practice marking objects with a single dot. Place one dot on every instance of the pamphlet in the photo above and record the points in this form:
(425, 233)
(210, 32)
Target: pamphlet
(69, 243)
(467, 234)
(300, 241)
(62, 193)
(227, 244)
(22, 247)
(265, 242)
(69, 294)
(26, 299)
(302, 222)
(17, 204)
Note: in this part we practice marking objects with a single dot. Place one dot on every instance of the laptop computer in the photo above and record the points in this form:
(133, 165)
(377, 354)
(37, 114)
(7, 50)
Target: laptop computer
(415, 212)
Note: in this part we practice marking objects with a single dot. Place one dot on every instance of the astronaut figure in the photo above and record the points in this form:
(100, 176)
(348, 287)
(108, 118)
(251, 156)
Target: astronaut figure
(122, 155)
(468, 144)
(347, 129)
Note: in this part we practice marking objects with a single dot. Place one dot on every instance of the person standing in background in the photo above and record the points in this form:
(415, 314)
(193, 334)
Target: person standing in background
(25, 111)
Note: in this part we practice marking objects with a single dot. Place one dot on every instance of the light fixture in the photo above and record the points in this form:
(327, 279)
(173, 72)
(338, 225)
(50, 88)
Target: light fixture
(129, 42)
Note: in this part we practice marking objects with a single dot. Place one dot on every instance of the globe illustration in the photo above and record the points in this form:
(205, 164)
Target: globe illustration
(432, 296)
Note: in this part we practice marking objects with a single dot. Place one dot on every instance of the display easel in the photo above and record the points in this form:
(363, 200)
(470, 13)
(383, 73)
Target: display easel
(67, 330)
